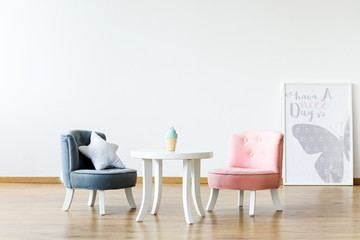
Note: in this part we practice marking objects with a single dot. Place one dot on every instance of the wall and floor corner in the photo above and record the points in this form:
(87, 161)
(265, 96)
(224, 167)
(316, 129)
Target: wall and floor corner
(133, 69)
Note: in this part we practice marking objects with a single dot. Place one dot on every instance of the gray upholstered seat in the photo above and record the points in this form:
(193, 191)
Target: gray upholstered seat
(104, 179)
(78, 172)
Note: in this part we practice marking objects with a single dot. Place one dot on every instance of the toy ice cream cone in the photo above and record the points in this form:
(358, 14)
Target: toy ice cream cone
(171, 144)
(171, 139)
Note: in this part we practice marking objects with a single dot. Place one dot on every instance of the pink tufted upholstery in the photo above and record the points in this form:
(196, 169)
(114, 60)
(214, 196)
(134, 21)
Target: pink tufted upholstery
(243, 179)
(255, 162)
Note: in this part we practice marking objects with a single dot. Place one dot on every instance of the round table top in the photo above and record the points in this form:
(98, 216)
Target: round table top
(167, 155)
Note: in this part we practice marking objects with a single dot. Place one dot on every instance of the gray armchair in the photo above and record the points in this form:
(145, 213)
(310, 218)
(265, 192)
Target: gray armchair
(78, 172)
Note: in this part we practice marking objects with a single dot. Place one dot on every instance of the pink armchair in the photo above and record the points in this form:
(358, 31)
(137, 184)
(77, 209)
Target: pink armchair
(255, 163)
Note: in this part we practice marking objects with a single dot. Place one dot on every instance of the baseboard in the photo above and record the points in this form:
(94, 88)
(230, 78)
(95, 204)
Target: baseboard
(30, 180)
(203, 180)
(356, 181)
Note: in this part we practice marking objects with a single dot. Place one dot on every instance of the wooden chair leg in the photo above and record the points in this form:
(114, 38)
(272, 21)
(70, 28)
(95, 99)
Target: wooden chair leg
(102, 202)
(276, 200)
(92, 197)
(68, 199)
(130, 198)
(252, 203)
(212, 200)
(241, 198)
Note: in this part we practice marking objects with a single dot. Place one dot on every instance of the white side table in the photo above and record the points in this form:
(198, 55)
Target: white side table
(191, 168)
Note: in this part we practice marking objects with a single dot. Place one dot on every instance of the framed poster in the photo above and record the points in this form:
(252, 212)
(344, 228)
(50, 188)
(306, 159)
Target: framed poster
(318, 134)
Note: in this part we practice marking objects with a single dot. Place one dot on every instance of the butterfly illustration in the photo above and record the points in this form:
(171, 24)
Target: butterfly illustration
(315, 139)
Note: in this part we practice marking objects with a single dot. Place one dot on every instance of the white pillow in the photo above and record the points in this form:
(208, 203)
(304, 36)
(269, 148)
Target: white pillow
(101, 153)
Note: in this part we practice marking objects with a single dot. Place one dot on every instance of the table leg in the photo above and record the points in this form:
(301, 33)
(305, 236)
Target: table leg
(195, 175)
(158, 185)
(186, 190)
(147, 188)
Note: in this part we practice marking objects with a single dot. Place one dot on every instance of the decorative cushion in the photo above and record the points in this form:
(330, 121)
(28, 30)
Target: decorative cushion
(101, 153)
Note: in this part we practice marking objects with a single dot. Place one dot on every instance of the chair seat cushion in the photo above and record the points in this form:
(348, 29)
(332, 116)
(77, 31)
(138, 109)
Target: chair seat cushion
(106, 179)
(243, 179)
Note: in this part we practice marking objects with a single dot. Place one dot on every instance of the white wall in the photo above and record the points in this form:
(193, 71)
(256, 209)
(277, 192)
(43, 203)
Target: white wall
(132, 69)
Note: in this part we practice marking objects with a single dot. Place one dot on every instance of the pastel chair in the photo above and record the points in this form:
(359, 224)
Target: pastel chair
(255, 163)
(78, 172)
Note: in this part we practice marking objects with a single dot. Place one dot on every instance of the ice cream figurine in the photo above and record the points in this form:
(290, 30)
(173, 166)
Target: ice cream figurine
(171, 138)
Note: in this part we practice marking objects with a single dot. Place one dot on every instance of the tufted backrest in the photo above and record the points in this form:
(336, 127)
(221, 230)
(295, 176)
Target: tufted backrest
(257, 149)
(72, 159)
